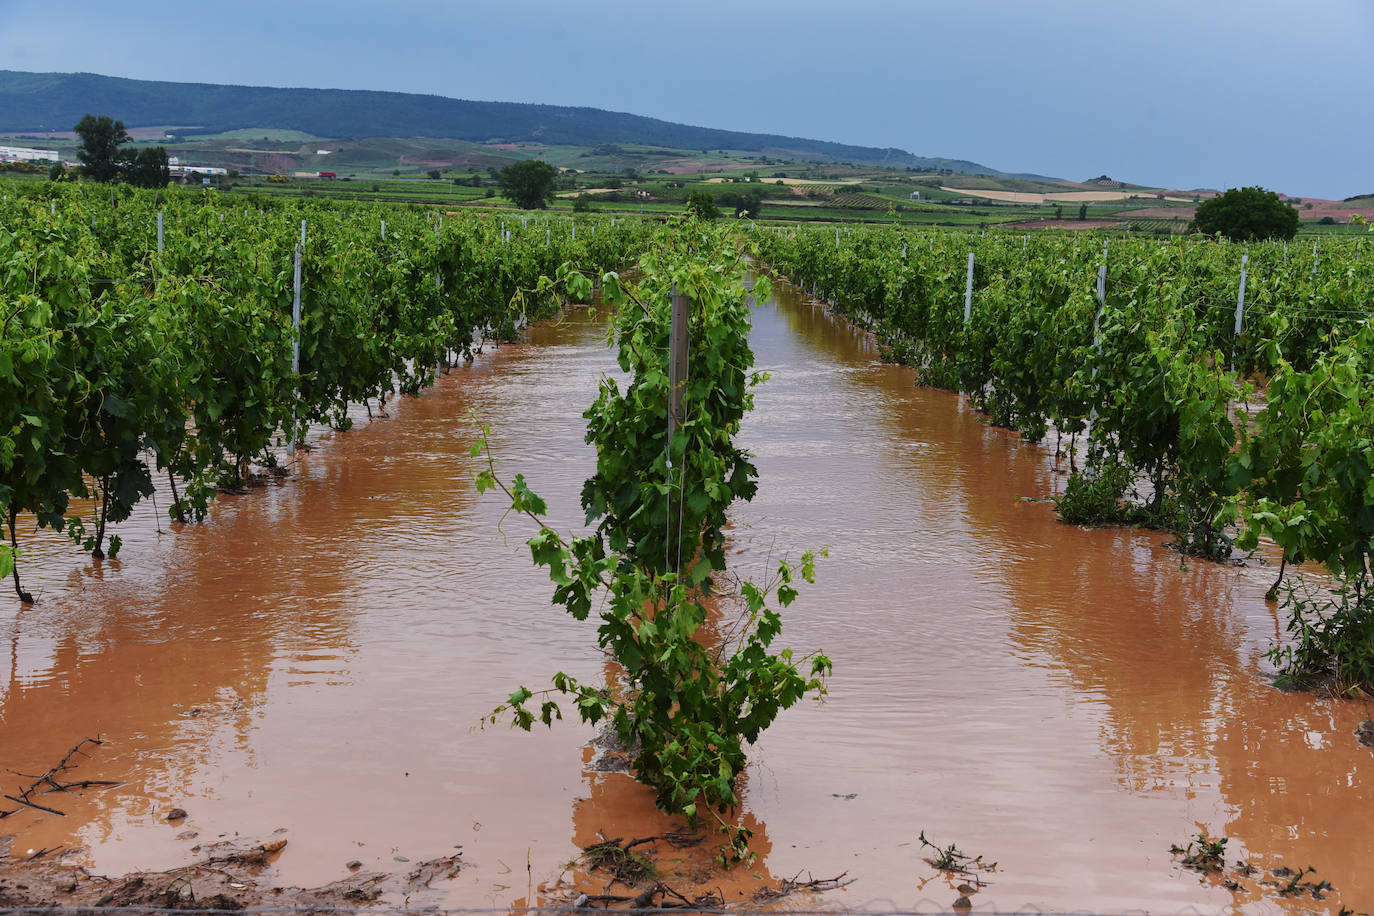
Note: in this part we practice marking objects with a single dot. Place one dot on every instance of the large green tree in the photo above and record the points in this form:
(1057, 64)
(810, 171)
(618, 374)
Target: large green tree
(529, 184)
(702, 205)
(101, 139)
(1245, 215)
(147, 168)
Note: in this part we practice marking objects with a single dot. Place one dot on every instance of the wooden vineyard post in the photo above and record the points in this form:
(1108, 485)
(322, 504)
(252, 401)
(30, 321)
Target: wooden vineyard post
(383, 230)
(159, 232)
(968, 291)
(1240, 307)
(296, 339)
(677, 384)
(1097, 324)
(677, 364)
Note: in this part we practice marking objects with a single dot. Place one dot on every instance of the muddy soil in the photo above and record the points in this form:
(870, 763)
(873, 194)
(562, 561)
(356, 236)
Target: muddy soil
(227, 875)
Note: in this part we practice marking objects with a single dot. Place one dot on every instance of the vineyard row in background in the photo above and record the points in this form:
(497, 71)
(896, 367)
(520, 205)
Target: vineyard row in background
(1217, 419)
(153, 334)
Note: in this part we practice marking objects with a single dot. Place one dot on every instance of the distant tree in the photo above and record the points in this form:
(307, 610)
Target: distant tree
(101, 139)
(528, 184)
(1058, 211)
(58, 172)
(1246, 214)
(582, 204)
(1327, 221)
(147, 168)
(435, 174)
(395, 173)
(1082, 211)
(747, 204)
(702, 205)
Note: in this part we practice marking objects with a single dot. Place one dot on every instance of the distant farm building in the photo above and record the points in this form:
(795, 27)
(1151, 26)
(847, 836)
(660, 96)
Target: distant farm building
(186, 174)
(24, 154)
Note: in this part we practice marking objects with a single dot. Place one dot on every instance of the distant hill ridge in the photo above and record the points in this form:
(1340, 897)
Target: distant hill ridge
(33, 102)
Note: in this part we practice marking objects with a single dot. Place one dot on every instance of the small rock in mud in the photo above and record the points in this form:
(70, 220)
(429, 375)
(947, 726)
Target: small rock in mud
(354, 865)
(274, 846)
(1283, 872)
(1365, 733)
(962, 905)
(967, 889)
(400, 858)
(176, 814)
(188, 835)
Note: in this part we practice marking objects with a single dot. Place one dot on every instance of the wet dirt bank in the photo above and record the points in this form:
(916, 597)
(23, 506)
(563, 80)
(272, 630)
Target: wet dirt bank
(313, 659)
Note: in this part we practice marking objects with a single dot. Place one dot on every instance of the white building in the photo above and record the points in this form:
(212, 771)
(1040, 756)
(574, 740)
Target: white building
(175, 166)
(24, 154)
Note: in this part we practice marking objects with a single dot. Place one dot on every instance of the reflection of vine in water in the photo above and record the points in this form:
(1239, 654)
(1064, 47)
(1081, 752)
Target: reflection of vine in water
(1159, 655)
(179, 662)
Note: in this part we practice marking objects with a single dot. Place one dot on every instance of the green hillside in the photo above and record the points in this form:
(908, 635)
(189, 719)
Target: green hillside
(40, 102)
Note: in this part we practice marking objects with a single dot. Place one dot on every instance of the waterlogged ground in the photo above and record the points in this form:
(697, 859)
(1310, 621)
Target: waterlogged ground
(316, 657)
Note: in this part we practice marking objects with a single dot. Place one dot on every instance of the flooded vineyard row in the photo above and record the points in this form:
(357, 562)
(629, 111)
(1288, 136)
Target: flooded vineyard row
(318, 655)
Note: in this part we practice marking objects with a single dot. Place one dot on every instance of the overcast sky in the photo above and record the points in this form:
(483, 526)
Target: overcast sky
(1180, 93)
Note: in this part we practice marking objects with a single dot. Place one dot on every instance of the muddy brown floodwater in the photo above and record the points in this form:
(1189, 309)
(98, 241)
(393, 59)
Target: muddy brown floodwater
(1067, 703)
